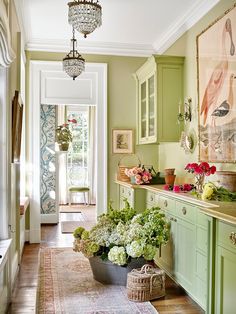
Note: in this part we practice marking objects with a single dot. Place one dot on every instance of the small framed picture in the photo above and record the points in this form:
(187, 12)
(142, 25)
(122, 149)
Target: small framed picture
(122, 141)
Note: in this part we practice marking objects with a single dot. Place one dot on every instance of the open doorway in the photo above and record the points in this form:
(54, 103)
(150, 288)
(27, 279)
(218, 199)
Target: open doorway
(77, 169)
(50, 86)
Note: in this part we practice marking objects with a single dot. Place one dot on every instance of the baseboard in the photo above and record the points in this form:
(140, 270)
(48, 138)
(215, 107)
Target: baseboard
(49, 218)
(27, 235)
(34, 235)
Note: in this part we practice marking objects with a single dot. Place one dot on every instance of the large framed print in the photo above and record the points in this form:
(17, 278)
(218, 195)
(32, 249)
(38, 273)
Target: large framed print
(216, 60)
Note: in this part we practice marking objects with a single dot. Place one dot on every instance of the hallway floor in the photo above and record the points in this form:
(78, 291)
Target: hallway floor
(24, 294)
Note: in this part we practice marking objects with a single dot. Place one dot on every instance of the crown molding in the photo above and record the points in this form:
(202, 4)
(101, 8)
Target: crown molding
(85, 47)
(177, 29)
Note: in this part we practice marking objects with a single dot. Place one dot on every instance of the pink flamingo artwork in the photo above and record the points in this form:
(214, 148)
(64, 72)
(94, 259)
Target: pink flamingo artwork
(218, 75)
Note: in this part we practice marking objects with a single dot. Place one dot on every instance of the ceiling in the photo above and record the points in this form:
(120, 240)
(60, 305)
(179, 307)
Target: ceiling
(129, 27)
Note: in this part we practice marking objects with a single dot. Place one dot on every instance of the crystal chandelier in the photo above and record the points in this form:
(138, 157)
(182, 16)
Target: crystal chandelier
(73, 63)
(85, 15)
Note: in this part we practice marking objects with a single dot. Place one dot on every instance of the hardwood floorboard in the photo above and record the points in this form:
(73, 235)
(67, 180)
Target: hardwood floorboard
(176, 300)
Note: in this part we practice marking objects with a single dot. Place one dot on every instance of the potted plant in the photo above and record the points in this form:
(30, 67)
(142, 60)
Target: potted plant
(63, 136)
(122, 240)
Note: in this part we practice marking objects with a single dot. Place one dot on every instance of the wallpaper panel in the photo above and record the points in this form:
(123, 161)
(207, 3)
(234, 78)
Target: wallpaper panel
(47, 159)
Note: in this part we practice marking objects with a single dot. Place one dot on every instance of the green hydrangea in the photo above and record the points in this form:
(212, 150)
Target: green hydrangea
(149, 252)
(78, 232)
(117, 255)
(85, 235)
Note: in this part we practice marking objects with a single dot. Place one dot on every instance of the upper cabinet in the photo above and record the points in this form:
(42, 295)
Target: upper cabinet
(159, 91)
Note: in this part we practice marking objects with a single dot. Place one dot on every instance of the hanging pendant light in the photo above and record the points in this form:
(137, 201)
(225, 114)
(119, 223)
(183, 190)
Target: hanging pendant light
(73, 63)
(85, 15)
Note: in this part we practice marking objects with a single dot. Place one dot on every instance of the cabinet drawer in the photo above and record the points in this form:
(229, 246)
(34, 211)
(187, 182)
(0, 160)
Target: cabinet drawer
(152, 198)
(226, 235)
(167, 204)
(185, 211)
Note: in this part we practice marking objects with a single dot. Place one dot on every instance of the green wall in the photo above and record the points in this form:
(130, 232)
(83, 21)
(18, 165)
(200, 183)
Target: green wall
(171, 154)
(121, 107)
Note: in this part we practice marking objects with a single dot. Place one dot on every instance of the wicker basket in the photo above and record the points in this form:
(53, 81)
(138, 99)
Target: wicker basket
(121, 176)
(146, 283)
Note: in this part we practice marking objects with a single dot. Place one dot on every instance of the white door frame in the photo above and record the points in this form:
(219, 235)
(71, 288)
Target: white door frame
(37, 75)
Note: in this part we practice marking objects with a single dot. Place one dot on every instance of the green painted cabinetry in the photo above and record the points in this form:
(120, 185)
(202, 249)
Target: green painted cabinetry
(225, 274)
(159, 90)
(136, 198)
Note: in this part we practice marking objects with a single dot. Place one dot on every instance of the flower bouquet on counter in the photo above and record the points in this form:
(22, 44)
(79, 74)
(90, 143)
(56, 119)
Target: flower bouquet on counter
(181, 188)
(217, 193)
(139, 175)
(200, 171)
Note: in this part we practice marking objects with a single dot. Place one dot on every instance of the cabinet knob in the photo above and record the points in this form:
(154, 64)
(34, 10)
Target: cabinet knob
(165, 203)
(151, 198)
(129, 193)
(232, 237)
(184, 210)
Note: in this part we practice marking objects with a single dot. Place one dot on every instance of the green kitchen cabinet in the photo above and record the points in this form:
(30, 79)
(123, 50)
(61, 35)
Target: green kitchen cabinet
(225, 274)
(159, 84)
(136, 198)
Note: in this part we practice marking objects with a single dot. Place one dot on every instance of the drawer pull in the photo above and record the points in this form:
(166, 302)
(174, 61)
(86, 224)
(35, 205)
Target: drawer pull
(184, 210)
(173, 219)
(151, 198)
(232, 237)
(165, 203)
(129, 193)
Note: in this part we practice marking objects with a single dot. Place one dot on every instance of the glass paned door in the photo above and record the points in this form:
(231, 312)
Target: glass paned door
(77, 166)
(151, 107)
(143, 109)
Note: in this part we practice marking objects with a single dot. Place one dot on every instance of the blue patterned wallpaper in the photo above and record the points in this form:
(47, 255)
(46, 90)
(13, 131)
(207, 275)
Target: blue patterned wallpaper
(47, 159)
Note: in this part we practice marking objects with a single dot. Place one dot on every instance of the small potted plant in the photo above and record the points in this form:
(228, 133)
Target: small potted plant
(63, 136)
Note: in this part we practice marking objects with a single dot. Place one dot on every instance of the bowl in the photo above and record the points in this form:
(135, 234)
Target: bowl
(227, 179)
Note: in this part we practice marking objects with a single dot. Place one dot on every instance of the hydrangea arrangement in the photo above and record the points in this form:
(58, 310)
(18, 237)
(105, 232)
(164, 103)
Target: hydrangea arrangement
(123, 234)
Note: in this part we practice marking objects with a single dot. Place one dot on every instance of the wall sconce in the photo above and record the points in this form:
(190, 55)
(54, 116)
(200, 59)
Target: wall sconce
(187, 115)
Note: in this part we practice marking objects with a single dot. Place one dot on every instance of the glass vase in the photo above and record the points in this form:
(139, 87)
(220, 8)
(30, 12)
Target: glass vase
(199, 182)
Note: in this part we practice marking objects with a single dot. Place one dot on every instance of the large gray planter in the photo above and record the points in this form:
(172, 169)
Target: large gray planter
(112, 274)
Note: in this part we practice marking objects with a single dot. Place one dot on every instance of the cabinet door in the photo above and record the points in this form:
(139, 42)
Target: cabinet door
(185, 240)
(165, 257)
(225, 281)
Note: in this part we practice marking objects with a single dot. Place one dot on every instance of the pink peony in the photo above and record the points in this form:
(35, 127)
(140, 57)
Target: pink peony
(176, 189)
(166, 187)
(187, 187)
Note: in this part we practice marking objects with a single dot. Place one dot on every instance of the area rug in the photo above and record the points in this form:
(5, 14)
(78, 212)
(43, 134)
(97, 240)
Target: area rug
(70, 226)
(66, 285)
(76, 208)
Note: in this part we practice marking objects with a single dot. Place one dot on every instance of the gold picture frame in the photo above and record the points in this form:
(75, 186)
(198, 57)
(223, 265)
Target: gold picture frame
(216, 68)
(17, 116)
(122, 141)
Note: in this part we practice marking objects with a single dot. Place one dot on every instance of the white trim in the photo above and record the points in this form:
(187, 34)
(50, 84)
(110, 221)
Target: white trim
(4, 155)
(14, 268)
(36, 70)
(104, 48)
(177, 29)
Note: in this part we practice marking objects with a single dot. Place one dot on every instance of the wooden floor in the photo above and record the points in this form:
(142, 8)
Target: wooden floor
(24, 294)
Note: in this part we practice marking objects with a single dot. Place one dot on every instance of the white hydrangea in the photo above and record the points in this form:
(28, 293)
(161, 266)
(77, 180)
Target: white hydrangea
(135, 248)
(149, 252)
(117, 255)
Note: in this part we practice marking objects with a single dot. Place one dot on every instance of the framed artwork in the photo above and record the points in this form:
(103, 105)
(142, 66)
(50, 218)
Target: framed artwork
(122, 141)
(216, 60)
(17, 115)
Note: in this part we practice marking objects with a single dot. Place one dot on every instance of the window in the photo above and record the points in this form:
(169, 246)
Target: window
(77, 166)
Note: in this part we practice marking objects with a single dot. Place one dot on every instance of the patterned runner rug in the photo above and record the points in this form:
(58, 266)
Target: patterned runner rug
(66, 285)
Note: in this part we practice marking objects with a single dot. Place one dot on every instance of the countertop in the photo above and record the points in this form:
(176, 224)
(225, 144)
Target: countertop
(225, 211)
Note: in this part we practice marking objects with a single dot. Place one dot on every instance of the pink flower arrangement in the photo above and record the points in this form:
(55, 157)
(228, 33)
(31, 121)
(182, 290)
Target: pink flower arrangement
(179, 188)
(139, 174)
(200, 169)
